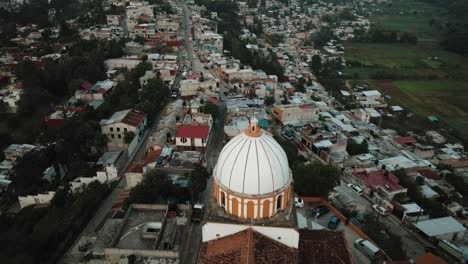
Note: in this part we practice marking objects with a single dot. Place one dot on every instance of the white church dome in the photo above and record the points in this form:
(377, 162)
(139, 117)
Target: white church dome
(253, 163)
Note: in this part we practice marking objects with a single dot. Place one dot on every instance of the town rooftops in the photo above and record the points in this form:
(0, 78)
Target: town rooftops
(398, 162)
(19, 148)
(130, 117)
(188, 131)
(405, 140)
(371, 93)
(378, 178)
(109, 158)
(440, 226)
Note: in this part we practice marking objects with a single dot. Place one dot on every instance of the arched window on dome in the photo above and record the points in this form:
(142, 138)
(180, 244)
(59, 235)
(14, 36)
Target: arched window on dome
(223, 199)
(279, 203)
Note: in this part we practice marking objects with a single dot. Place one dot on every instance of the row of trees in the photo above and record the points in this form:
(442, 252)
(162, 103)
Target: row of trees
(379, 35)
(157, 187)
(46, 232)
(310, 178)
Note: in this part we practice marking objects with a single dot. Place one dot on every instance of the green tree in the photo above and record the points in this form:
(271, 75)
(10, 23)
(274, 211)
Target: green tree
(156, 187)
(316, 63)
(197, 181)
(354, 148)
(382, 235)
(128, 137)
(27, 178)
(269, 100)
(212, 109)
(315, 179)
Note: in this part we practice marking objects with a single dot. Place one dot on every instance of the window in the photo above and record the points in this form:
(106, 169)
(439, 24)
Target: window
(125, 129)
(183, 140)
(111, 129)
(112, 135)
(223, 199)
(118, 129)
(278, 203)
(119, 136)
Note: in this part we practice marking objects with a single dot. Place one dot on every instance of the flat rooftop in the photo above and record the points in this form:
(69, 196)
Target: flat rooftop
(130, 236)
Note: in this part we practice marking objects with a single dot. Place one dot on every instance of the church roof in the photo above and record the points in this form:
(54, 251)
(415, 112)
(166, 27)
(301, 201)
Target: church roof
(253, 163)
(247, 246)
(323, 246)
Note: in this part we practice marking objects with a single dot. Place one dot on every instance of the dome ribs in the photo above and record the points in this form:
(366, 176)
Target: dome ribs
(274, 154)
(258, 168)
(269, 163)
(235, 144)
(235, 161)
(245, 166)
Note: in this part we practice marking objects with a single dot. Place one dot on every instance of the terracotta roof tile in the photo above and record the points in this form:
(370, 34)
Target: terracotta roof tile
(323, 246)
(429, 258)
(189, 131)
(247, 246)
(134, 118)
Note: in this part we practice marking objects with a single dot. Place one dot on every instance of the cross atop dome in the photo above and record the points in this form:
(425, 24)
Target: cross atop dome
(253, 130)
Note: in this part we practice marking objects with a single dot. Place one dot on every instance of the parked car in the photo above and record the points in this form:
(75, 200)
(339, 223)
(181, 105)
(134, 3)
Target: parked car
(299, 202)
(334, 222)
(367, 248)
(355, 188)
(380, 209)
(197, 212)
(320, 210)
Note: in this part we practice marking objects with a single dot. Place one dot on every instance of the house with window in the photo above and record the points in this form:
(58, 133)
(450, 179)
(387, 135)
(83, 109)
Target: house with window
(192, 137)
(381, 185)
(119, 124)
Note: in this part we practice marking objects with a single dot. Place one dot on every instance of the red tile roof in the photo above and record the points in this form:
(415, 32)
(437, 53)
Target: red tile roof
(405, 140)
(134, 118)
(376, 178)
(429, 258)
(86, 85)
(430, 174)
(323, 246)
(188, 131)
(247, 246)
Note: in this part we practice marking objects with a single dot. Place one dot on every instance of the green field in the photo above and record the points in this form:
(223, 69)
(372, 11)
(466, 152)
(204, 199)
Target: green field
(422, 78)
(412, 17)
(446, 100)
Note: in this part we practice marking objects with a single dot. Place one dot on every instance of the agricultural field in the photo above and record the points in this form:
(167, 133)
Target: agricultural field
(446, 100)
(423, 78)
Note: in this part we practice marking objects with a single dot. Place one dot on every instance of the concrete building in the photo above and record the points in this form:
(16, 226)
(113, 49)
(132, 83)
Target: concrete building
(120, 123)
(15, 151)
(296, 113)
(192, 137)
(447, 228)
(39, 199)
(193, 86)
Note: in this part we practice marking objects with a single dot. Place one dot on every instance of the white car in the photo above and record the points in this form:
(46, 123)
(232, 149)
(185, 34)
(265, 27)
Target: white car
(299, 202)
(355, 188)
(380, 209)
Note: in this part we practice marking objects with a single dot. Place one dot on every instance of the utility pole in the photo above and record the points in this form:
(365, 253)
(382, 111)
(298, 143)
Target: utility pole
(380, 123)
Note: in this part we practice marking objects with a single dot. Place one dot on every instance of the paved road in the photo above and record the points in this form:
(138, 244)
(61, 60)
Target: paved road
(213, 147)
(412, 244)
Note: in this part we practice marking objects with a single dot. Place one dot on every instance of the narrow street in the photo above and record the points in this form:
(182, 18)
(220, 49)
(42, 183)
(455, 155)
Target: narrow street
(413, 244)
(213, 148)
